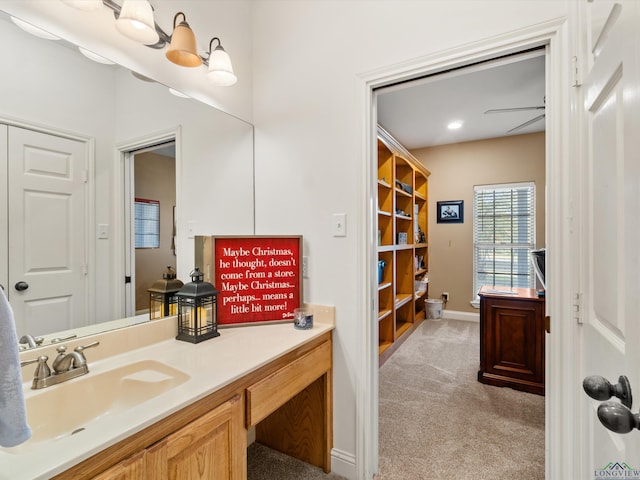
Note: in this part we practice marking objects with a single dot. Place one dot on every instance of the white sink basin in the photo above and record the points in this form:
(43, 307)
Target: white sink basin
(70, 407)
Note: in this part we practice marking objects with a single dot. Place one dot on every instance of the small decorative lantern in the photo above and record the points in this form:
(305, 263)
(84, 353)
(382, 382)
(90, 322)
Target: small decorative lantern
(197, 309)
(162, 295)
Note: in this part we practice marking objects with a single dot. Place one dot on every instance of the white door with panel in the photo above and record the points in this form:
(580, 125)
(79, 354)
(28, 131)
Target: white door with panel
(47, 239)
(610, 265)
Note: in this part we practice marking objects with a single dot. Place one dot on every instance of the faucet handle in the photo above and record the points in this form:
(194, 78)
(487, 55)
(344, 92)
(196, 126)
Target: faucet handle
(42, 370)
(81, 348)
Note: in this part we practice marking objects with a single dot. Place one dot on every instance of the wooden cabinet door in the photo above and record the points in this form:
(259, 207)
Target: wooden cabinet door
(133, 468)
(211, 447)
(512, 343)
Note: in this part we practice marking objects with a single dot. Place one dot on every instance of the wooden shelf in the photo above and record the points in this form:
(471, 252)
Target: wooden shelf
(402, 327)
(402, 298)
(402, 192)
(402, 209)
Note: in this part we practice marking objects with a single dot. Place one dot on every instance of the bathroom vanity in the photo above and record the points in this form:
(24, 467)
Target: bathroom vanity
(273, 380)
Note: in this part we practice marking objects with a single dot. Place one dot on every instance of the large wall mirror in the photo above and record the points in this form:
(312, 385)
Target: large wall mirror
(51, 89)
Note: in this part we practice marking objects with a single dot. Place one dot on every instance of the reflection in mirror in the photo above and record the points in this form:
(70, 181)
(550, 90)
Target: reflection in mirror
(72, 122)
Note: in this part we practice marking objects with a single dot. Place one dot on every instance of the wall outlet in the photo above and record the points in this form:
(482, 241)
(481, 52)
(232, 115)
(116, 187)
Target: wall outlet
(445, 296)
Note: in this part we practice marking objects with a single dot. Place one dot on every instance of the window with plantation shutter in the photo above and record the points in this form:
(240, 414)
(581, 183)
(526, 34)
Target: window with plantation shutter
(503, 235)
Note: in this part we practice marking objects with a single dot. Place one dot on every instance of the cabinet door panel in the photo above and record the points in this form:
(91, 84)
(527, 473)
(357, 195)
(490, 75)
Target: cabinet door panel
(133, 468)
(211, 447)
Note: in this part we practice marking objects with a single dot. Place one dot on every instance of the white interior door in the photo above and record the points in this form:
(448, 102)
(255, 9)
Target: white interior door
(47, 285)
(611, 267)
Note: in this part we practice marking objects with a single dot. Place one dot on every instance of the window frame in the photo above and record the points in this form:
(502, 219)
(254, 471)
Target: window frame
(475, 301)
(155, 235)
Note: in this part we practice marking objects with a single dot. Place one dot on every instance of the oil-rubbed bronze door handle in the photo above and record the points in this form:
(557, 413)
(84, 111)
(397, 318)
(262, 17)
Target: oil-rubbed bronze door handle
(21, 286)
(618, 418)
(599, 388)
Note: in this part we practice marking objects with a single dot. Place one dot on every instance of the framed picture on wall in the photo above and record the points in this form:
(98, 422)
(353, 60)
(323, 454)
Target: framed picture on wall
(451, 211)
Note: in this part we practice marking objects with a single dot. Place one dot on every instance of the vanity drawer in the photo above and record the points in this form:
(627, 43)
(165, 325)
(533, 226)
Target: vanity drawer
(273, 391)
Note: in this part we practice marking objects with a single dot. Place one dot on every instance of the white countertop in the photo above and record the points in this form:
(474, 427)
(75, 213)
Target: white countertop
(211, 365)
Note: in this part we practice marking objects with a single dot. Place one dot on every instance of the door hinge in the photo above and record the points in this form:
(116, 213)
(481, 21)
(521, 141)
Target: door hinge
(127, 279)
(547, 324)
(577, 308)
(85, 269)
(575, 72)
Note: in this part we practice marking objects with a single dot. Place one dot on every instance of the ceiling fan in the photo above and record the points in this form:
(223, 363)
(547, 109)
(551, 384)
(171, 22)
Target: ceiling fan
(521, 109)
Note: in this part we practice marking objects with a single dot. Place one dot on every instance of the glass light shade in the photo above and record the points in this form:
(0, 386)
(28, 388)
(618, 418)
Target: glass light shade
(136, 22)
(220, 68)
(86, 5)
(33, 30)
(182, 50)
(94, 56)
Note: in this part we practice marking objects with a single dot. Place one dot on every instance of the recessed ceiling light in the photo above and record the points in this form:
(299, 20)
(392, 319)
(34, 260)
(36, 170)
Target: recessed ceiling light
(38, 32)
(454, 125)
(94, 56)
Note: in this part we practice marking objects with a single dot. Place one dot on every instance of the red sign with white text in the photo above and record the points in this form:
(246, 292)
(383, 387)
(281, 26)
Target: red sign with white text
(258, 278)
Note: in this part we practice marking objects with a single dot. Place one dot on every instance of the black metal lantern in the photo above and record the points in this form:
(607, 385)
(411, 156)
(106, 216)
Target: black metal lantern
(197, 309)
(162, 295)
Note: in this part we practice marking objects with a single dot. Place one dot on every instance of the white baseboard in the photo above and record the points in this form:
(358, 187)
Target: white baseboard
(343, 463)
(465, 316)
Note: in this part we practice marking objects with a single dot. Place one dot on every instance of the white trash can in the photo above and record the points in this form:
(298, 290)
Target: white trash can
(433, 308)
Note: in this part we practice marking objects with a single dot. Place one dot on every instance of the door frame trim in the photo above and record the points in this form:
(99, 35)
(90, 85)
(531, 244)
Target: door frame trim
(124, 264)
(560, 375)
(89, 192)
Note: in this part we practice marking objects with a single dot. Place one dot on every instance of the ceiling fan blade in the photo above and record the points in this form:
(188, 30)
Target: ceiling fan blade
(516, 109)
(527, 123)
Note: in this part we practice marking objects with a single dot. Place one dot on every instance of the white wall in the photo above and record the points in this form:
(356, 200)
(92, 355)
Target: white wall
(309, 120)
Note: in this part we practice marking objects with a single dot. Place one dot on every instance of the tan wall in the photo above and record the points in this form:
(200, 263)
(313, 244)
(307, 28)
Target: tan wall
(455, 170)
(155, 179)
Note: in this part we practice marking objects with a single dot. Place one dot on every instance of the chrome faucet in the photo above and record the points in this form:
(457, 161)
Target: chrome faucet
(31, 341)
(65, 366)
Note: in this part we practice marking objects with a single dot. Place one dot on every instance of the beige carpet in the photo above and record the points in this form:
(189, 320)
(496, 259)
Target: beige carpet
(437, 422)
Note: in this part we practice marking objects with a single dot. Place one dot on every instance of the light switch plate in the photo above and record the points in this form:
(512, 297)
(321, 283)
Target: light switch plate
(339, 224)
(191, 229)
(103, 231)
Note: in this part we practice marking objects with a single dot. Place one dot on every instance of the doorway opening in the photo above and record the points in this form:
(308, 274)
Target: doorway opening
(150, 220)
(553, 38)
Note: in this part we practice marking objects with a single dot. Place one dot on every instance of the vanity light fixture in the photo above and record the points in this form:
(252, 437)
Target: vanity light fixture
(220, 70)
(182, 50)
(136, 22)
